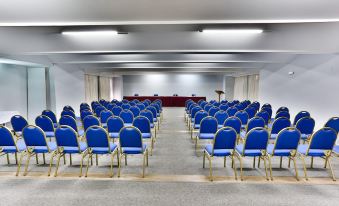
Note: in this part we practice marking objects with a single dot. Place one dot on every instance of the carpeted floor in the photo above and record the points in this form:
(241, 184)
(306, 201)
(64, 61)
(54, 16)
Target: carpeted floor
(175, 177)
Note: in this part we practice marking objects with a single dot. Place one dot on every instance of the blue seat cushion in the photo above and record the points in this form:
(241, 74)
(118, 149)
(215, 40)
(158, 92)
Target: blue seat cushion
(302, 149)
(72, 150)
(133, 150)
(146, 135)
(104, 150)
(196, 126)
(220, 126)
(217, 152)
(12, 149)
(270, 125)
(155, 119)
(104, 125)
(206, 135)
(249, 152)
(43, 149)
(19, 134)
(305, 136)
(273, 136)
(114, 135)
(49, 134)
(152, 125)
(278, 152)
(243, 134)
(128, 124)
(81, 133)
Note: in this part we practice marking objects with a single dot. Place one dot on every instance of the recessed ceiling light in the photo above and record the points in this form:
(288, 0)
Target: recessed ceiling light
(234, 31)
(98, 32)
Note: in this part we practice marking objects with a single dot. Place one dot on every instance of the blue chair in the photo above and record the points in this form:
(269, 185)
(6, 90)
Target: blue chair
(251, 111)
(124, 101)
(127, 116)
(125, 106)
(264, 115)
(213, 110)
(333, 123)
(149, 115)
(69, 113)
(110, 106)
(67, 142)
(144, 126)
(266, 105)
(84, 114)
(203, 104)
(193, 111)
(252, 123)
(207, 107)
(104, 116)
(221, 116)
(197, 120)
(243, 116)
(278, 125)
(254, 146)
(116, 110)
(70, 121)
(306, 127)
(114, 125)
(282, 109)
(233, 122)
(282, 114)
(36, 143)
(300, 115)
(98, 110)
(68, 108)
(131, 143)
(141, 106)
(8, 145)
(135, 110)
(223, 146)
(268, 110)
(155, 115)
(132, 104)
(46, 124)
(223, 107)
(91, 121)
(321, 145)
(98, 143)
(18, 124)
(207, 130)
(286, 145)
(51, 115)
(231, 111)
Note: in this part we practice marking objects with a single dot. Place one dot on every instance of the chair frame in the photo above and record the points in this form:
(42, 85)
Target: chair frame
(152, 138)
(16, 147)
(197, 136)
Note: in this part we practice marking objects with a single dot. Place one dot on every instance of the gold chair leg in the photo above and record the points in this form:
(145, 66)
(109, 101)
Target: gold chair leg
(125, 159)
(241, 172)
(281, 162)
(8, 162)
(147, 158)
(304, 165)
(270, 165)
(119, 165)
(295, 168)
(259, 163)
(44, 158)
(289, 162)
(89, 157)
(37, 159)
(196, 145)
(27, 163)
(203, 159)
(225, 161)
(210, 164)
(70, 159)
(96, 159)
(57, 165)
(64, 159)
(20, 161)
(264, 158)
(330, 165)
(16, 158)
(254, 162)
(234, 169)
(81, 163)
(112, 158)
(143, 165)
(311, 162)
(51, 162)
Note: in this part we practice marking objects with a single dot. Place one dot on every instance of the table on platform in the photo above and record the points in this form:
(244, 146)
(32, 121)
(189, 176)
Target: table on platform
(167, 101)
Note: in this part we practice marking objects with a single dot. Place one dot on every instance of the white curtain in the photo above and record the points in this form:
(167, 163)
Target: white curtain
(105, 87)
(117, 85)
(91, 88)
(240, 88)
(253, 87)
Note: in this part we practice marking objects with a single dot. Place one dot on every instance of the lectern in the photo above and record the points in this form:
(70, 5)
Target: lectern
(219, 92)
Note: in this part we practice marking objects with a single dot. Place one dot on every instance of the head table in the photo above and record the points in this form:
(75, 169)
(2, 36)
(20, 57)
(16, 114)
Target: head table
(167, 101)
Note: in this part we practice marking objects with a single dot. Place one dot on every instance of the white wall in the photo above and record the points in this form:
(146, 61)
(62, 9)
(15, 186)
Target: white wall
(36, 92)
(169, 84)
(69, 88)
(13, 88)
(314, 86)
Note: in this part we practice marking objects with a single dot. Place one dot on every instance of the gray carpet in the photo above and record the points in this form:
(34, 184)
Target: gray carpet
(173, 155)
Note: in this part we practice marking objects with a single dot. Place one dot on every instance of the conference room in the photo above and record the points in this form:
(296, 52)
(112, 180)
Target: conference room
(169, 102)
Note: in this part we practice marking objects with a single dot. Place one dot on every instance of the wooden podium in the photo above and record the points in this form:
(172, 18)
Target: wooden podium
(219, 92)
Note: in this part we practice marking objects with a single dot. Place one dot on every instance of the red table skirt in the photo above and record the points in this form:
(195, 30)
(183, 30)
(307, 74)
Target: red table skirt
(167, 101)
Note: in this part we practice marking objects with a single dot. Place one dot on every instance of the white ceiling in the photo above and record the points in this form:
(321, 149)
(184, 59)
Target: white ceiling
(162, 36)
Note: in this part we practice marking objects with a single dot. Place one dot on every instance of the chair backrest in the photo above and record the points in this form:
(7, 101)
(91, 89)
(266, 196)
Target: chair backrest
(135, 110)
(280, 124)
(255, 122)
(199, 116)
(223, 107)
(263, 114)
(301, 115)
(97, 136)
(268, 110)
(287, 139)
(130, 137)
(45, 123)
(66, 136)
(18, 123)
(50, 114)
(323, 139)
(91, 120)
(251, 111)
(207, 107)
(141, 106)
(256, 139)
(125, 106)
(231, 111)
(132, 103)
(333, 123)
(213, 110)
(104, 115)
(110, 106)
(69, 121)
(233, 122)
(153, 110)
(305, 125)
(98, 110)
(127, 116)
(116, 110)
(256, 105)
(143, 124)
(114, 124)
(282, 114)
(225, 138)
(148, 114)
(285, 109)
(208, 125)
(125, 101)
(221, 116)
(243, 116)
(203, 104)
(68, 108)
(266, 105)
(34, 136)
(69, 113)
(6, 137)
(85, 113)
